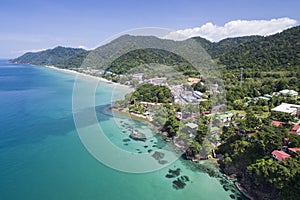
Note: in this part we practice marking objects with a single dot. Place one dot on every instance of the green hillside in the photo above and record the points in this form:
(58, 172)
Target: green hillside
(279, 52)
(60, 57)
(276, 52)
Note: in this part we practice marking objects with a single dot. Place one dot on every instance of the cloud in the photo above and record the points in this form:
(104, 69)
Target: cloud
(235, 28)
(28, 50)
(84, 47)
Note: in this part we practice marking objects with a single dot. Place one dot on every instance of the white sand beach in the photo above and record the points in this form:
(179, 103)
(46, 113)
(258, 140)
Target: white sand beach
(88, 76)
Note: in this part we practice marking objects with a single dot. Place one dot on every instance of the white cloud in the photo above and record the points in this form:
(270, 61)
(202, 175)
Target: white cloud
(28, 50)
(235, 28)
(84, 47)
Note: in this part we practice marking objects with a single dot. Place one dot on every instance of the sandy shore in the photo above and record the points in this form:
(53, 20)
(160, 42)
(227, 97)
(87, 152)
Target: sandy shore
(88, 76)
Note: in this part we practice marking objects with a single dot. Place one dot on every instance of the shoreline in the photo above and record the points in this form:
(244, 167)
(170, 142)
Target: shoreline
(144, 119)
(114, 109)
(70, 71)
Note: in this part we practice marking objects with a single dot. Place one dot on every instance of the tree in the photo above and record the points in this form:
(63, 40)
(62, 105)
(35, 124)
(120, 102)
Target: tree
(201, 132)
(172, 126)
(195, 147)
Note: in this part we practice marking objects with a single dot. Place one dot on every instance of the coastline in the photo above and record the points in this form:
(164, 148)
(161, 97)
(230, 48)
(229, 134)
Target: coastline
(135, 116)
(97, 78)
(138, 117)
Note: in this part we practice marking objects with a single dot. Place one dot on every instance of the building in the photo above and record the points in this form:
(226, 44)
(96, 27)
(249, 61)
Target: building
(226, 117)
(296, 129)
(138, 77)
(291, 109)
(288, 93)
(193, 80)
(178, 115)
(264, 98)
(280, 155)
(191, 129)
(158, 81)
(277, 123)
(294, 151)
(192, 126)
(197, 94)
(214, 87)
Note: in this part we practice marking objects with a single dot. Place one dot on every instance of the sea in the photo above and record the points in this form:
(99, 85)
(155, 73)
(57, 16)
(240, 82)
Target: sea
(42, 155)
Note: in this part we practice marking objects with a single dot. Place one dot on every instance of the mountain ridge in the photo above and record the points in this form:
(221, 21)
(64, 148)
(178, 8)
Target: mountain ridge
(276, 51)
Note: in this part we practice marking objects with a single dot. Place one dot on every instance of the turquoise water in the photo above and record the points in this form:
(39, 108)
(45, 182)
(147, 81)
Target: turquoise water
(42, 156)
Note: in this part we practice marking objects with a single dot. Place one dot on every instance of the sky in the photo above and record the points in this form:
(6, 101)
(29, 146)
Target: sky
(34, 25)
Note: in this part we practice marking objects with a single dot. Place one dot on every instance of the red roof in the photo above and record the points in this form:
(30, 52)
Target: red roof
(294, 149)
(277, 123)
(295, 128)
(280, 155)
(205, 112)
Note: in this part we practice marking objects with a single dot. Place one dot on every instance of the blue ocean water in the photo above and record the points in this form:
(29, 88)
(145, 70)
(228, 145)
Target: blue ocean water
(42, 157)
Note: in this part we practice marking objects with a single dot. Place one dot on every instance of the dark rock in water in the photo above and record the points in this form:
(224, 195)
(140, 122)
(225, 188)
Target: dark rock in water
(154, 146)
(158, 155)
(170, 176)
(145, 146)
(121, 121)
(126, 140)
(139, 152)
(162, 162)
(125, 144)
(232, 196)
(123, 131)
(175, 172)
(178, 184)
(223, 181)
(150, 150)
(151, 140)
(137, 135)
(225, 187)
(184, 178)
(137, 149)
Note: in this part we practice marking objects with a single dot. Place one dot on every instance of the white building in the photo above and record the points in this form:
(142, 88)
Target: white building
(138, 77)
(289, 93)
(197, 94)
(158, 81)
(291, 109)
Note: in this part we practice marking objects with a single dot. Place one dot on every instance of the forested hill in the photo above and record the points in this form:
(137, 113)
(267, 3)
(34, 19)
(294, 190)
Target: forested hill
(276, 52)
(62, 57)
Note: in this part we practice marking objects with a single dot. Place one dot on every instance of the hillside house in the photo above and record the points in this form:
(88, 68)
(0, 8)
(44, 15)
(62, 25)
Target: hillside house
(280, 155)
(292, 109)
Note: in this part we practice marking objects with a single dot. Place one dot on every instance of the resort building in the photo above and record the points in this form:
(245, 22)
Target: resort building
(197, 94)
(288, 93)
(158, 81)
(138, 77)
(291, 109)
(277, 123)
(214, 87)
(178, 115)
(193, 80)
(296, 129)
(294, 151)
(280, 155)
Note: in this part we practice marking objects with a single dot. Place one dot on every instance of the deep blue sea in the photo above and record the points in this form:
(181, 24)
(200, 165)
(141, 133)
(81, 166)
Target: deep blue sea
(42, 156)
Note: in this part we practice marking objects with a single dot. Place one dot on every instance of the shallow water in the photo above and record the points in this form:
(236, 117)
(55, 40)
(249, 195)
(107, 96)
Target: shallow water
(42, 156)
